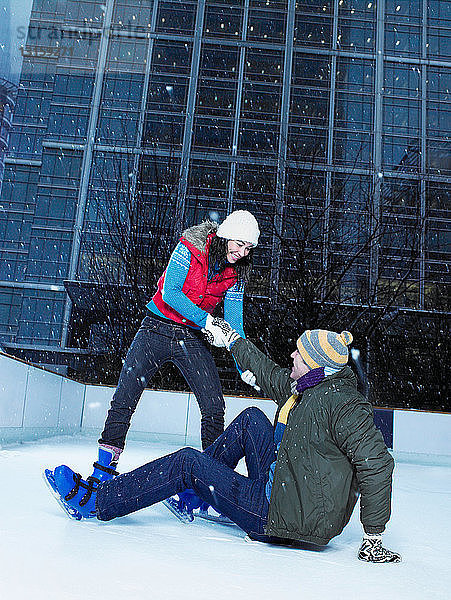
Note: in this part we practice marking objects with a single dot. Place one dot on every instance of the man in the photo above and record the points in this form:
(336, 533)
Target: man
(304, 475)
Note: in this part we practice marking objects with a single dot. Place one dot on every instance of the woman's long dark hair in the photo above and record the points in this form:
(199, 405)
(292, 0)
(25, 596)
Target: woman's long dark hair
(217, 257)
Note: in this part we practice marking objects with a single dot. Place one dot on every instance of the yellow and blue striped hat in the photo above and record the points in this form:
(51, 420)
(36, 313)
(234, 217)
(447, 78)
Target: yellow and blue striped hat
(321, 348)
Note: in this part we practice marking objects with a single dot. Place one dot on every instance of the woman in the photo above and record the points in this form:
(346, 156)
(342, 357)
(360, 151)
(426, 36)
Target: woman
(210, 264)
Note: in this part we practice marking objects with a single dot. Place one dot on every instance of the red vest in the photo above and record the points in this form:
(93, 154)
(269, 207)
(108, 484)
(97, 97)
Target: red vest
(203, 293)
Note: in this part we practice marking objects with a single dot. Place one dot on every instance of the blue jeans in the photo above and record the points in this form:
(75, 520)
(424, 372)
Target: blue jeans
(210, 474)
(156, 343)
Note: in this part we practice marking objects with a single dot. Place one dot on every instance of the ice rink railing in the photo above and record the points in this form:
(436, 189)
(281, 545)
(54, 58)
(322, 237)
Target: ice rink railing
(36, 403)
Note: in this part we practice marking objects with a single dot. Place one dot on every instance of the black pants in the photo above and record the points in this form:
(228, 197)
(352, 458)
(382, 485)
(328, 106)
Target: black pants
(156, 343)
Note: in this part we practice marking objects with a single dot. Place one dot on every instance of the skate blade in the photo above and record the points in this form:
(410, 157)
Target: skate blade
(183, 516)
(50, 482)
(221, 519)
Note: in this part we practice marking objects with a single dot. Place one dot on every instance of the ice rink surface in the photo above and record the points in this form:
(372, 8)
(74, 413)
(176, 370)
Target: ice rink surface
(150, 554)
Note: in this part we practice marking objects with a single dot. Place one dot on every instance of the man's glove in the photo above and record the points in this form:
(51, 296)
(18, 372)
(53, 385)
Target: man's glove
(372, 550)
(249, 378)
(219, 333)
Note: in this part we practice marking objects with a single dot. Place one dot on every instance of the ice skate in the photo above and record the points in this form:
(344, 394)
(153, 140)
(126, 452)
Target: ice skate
(74, 494)
(187, 505)
(49, 479)
(207, 512)
(183, 505)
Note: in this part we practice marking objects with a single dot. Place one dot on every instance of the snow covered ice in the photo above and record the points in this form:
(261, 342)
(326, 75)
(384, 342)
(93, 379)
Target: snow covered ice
(150, 554)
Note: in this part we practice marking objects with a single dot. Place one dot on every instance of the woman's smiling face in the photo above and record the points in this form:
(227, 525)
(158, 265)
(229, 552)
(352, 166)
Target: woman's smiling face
(237, 250)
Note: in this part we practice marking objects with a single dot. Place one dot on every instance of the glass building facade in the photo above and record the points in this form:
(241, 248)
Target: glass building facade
(8, 89)
(8, 93)
(251, 102)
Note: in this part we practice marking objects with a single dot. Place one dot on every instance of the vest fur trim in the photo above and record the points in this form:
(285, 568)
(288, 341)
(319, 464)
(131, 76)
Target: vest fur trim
(198, 234)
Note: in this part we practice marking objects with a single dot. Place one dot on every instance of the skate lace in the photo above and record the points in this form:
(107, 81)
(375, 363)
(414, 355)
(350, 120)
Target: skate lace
(87, 485)
(110, 470)
(74, 490)
(90, 488)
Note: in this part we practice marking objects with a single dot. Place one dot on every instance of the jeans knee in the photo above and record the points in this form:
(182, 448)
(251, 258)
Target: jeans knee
(187, 459)
(187, 455)
(254, 414)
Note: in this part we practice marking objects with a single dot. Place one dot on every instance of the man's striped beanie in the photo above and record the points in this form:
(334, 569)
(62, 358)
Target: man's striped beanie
(321, 348)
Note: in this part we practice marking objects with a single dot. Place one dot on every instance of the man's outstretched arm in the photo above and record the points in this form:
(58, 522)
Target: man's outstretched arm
(273, 380)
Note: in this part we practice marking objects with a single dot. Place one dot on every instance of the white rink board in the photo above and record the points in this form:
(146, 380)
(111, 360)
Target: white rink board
(423, 432)
(36, 403)
(13, 387)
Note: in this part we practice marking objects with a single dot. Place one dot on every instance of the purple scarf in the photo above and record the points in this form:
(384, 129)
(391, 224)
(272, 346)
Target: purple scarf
(310, 379)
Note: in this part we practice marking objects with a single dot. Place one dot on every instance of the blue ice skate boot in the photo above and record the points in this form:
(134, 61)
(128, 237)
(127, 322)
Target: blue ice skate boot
(183, 507)
(77, 494)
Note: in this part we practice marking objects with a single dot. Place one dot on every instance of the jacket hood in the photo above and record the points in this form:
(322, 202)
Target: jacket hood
(198, 234)
(345, 374)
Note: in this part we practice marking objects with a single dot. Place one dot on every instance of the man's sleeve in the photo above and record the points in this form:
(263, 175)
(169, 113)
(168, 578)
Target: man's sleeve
(273, 380)
(174, 279)
(357, 436)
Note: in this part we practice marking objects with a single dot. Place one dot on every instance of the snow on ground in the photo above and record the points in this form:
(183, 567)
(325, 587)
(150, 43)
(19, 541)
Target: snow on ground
(150, 554)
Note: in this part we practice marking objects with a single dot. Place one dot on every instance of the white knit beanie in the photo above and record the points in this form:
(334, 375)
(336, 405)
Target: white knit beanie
(240, 225)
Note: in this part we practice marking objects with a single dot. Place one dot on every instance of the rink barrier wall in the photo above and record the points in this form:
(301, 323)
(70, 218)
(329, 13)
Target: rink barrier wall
(36, 403)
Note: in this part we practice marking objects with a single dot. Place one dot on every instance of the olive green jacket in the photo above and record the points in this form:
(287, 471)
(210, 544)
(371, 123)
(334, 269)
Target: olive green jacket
(330, 452)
